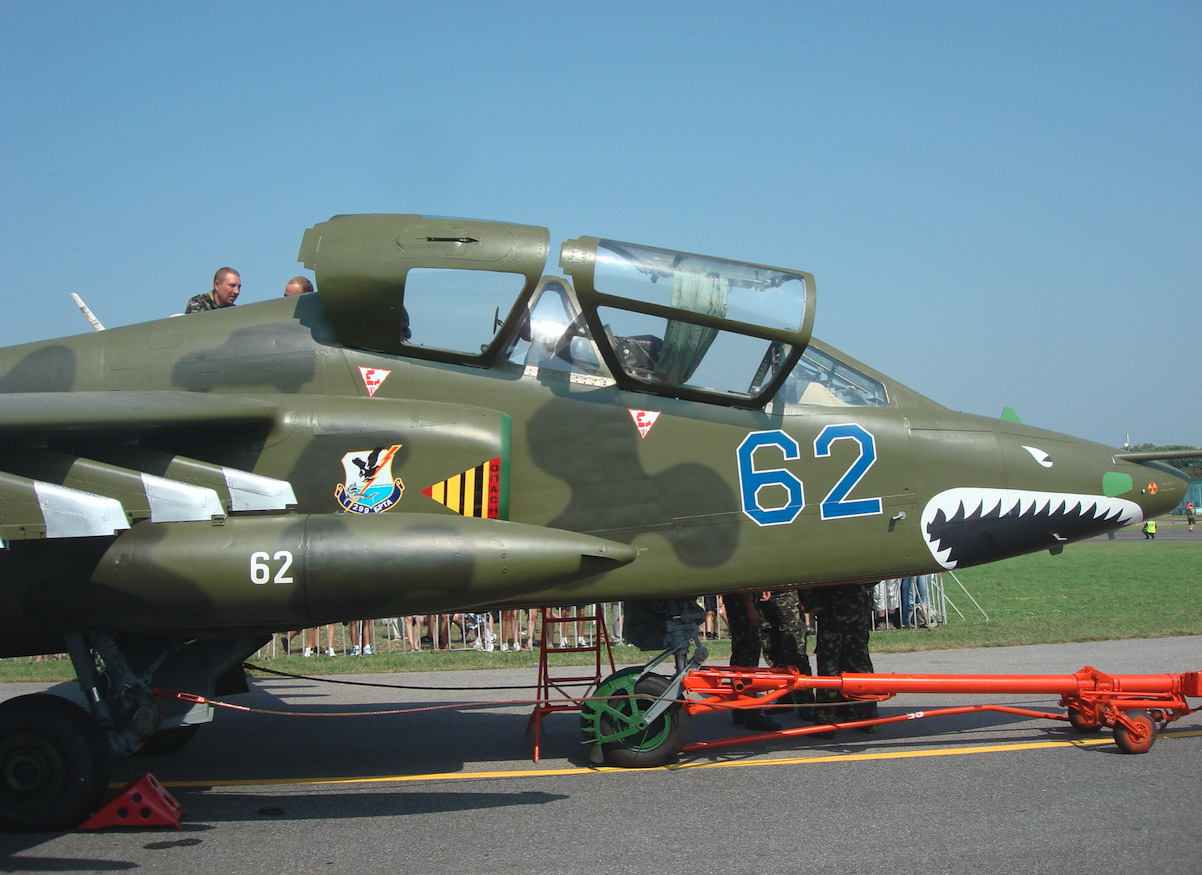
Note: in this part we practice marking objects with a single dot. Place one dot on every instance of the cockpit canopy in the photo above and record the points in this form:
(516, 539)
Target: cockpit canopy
(653, 320)
(689, 325)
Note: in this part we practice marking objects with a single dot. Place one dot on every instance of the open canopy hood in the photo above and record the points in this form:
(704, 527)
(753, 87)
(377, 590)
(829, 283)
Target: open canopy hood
(362, 264)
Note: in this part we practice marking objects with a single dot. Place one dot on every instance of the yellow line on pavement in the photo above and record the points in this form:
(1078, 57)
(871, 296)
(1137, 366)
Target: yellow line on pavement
(781, 761)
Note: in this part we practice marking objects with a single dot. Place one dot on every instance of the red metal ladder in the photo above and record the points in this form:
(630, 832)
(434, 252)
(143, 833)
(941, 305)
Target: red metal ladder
(552, 695)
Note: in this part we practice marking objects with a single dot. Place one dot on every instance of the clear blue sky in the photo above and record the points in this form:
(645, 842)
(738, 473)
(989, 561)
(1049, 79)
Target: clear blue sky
(1002, 203)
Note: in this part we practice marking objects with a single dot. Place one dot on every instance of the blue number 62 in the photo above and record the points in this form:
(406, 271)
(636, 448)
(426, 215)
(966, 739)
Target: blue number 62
(836, 505)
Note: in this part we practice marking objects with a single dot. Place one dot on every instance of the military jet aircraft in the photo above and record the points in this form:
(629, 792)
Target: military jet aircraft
(443, 427)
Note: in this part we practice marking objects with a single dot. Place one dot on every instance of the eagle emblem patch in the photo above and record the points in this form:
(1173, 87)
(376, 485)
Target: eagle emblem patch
(369, 487)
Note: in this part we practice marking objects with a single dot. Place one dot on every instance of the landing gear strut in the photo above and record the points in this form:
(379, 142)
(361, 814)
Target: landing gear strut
(55, 756)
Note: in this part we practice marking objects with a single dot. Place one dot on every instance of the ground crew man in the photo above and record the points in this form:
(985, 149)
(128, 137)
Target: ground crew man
(298, 285)
(844, 619)
(744, 619)
(783, 637)
(227, 285)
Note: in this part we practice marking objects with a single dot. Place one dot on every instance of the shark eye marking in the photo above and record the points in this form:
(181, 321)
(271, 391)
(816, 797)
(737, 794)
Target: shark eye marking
(836, 505)
(972, 525)
(1039, 456)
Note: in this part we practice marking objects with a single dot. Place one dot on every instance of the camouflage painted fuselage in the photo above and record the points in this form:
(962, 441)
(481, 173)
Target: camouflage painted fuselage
(269, 388)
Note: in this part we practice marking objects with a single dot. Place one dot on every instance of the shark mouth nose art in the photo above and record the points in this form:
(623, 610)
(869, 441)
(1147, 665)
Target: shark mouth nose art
(971, 525)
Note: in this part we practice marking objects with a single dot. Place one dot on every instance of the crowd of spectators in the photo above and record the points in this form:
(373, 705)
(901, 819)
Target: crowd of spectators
(902, 603)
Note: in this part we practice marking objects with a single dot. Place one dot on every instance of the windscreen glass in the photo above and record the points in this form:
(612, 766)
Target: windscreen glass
(553, 335)
(822, 379)
(733, 290)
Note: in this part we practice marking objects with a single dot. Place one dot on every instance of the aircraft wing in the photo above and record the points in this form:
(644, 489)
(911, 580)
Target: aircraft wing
(74, 464)
(101, 469)
(1159, 455)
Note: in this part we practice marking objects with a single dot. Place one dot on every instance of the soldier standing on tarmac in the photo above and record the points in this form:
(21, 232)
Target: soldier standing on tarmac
(844, 621)
(743, 617)
(783, 635)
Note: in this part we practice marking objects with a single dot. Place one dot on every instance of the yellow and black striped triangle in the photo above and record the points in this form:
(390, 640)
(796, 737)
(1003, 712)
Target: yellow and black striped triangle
(475, 493)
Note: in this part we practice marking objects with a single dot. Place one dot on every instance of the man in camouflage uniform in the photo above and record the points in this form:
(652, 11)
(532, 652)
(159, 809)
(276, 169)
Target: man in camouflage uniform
(775, 625)
(744, 619)
(844, 621)
(783, 636)
(227, 285)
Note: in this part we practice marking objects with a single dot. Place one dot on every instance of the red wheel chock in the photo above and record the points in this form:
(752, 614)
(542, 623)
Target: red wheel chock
(142, 802)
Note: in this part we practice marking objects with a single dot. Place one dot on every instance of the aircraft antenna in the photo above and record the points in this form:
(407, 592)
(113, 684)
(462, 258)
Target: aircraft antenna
(83, 308)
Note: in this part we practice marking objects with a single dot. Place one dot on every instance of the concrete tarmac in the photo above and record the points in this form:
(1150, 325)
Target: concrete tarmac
(455, 790)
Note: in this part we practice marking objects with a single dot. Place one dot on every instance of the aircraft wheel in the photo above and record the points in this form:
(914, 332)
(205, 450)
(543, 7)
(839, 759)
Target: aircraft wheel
(656, 744)
(167, 741)
(1139, 740)
(54, 764)
(1081, 723)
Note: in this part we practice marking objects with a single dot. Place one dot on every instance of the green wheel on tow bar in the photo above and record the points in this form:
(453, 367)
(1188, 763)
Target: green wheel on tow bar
(615, 722)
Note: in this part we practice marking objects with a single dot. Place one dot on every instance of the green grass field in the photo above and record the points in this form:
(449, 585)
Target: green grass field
(1095, 591)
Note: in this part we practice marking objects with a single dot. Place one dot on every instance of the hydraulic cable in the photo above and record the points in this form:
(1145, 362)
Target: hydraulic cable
(329, 680)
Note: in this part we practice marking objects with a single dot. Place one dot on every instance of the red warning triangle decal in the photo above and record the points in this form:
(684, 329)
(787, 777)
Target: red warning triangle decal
(373, 378)
(644, 419)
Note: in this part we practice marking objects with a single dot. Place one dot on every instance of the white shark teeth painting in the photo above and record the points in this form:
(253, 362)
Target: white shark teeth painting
(969, 525)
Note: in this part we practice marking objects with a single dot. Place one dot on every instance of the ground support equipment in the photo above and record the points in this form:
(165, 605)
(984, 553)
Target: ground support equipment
(566, 692)
(141, 802)
(646, 723)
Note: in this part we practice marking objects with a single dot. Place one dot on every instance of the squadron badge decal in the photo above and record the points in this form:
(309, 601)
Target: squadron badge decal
(369, 487)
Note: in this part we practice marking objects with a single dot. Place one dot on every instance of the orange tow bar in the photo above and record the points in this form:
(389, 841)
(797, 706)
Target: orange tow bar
(1134, 705)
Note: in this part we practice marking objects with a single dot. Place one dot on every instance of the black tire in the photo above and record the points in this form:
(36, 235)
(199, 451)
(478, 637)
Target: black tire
(1129, 742)
(167, 741)
(1081, 723)
(54, 764)
(660, 741)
